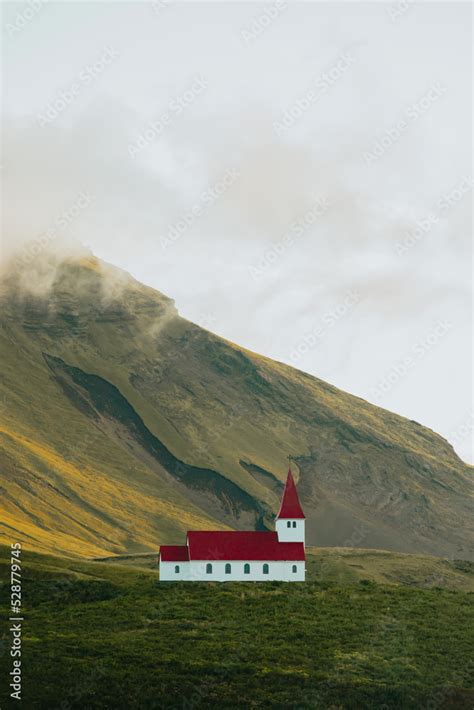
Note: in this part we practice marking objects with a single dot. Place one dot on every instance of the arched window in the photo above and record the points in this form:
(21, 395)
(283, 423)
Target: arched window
(176, 569)
(265, 568)
(208, 568)
(294, 523)
(228, 568)
(294, 568)
(288, 525)
(246, 568)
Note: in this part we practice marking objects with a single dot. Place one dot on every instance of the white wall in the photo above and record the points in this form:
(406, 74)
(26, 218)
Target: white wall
(167, 571)
(196, 571)
(290, 534)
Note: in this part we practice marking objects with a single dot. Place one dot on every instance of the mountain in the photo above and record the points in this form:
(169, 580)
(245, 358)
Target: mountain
(123, 425)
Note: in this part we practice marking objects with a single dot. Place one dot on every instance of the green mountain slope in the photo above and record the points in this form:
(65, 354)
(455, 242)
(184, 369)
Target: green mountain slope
(123, 425)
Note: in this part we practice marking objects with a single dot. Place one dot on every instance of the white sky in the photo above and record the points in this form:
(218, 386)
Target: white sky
(338, 300)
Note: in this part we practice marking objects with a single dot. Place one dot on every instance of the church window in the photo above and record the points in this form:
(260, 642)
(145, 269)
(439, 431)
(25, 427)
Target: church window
(228, 568)
(288, 525)
(265, 568)
(294, 523)
(176, 569)
(294, 568)
(246, 568)
(208, 568)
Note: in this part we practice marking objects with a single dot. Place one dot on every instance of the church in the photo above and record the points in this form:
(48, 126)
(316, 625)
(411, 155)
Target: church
(236, 556)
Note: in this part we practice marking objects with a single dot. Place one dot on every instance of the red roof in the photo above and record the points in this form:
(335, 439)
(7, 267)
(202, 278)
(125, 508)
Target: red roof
(290, 504)
(174, 553)
(237, 545)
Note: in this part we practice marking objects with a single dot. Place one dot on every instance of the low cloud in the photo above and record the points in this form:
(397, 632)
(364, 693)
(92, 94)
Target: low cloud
(74, 181)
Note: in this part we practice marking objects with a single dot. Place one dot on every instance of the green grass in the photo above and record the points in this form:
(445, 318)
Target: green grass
(343, 566)
(100, 635)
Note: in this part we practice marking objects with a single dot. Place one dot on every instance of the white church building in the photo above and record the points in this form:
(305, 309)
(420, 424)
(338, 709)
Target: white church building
(235, 556)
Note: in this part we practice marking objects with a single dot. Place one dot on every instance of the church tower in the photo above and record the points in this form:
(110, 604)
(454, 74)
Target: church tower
(289, 522)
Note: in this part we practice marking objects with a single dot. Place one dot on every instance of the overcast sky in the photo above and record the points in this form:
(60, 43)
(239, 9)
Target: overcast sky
(296, 176)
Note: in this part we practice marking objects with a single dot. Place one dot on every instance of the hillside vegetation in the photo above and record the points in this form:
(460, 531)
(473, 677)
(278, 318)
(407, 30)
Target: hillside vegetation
(100, 635)
(123, 424)
(343, 566)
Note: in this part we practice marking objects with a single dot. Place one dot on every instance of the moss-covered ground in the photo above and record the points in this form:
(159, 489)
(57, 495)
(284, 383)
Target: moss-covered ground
(100, 635)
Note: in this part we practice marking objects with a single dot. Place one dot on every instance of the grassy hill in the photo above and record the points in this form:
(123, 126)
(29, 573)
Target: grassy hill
(123, 424)
(107, 635)
(343, 566)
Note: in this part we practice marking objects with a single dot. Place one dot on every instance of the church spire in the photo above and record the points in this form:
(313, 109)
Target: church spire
(290, 505)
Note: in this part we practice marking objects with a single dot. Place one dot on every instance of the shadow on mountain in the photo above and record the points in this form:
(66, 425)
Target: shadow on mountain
(111, 412)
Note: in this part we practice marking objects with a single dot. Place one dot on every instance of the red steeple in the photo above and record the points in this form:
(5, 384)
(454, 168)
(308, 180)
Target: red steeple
(290, 504)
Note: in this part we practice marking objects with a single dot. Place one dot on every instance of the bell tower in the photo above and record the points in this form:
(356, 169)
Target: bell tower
(290, 520)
